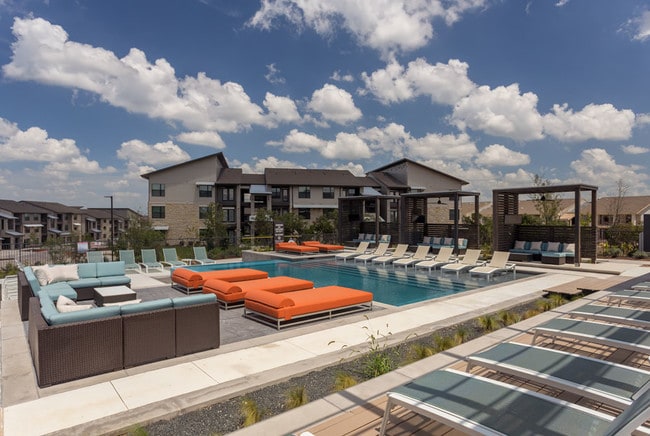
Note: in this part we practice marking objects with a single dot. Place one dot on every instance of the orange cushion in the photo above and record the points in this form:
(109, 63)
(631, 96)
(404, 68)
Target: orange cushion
(195, 279)
(231, 292)
(305, 301)
(291, 246)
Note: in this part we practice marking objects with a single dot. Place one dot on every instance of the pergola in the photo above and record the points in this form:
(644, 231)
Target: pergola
(506, 219)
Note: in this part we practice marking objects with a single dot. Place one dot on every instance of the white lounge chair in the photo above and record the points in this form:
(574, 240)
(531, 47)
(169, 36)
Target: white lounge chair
(379, 251)
(362, 248)
(498, 264)
(399, 253)
(470, 260)
(443, 257)
(420, 255)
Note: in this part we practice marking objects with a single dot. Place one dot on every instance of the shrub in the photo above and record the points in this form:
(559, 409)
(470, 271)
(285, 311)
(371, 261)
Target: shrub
(418, 352)
(297, 397)
(442, 343)
(460, 335)
(488, 323)
(344, 381)
(251, 412)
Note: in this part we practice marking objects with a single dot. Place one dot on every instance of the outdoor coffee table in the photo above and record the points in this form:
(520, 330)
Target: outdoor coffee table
(113, 294)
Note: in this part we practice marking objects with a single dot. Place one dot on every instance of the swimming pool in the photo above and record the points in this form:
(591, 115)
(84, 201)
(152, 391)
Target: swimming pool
(389, 285)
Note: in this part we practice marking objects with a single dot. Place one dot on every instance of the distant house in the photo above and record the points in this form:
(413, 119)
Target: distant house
(621, 210)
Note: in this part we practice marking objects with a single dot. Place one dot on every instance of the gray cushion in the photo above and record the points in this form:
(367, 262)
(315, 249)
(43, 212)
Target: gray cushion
(106, 269)
(194, 299)
(87, 270)
(84, 315)
(115, 280)
(85, 283)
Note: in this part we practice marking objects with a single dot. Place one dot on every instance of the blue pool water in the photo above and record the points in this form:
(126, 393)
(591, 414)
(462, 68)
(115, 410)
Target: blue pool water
(389, 285)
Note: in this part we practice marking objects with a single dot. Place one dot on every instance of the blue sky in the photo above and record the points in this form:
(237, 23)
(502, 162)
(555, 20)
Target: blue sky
(93, 94)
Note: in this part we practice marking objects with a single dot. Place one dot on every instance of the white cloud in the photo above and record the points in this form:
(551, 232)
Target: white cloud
(642, 119)
(634, 149)
(258, 165)
(77, 164)
(334, 104)
(43, 53)
(162, 153)
(346, 146)
(281, 109)
(602, 122)
(391, 138)
(502, 111)
(208, 139)
(450, 147)
(338, 77)
(387, 26)
(597, 167)
(640, 26)
(273, 75)
(301, 142)
(356, 169)
(498, 155)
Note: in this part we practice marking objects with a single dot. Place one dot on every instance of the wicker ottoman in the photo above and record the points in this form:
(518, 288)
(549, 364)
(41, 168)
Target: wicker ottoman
(553, 258)
(113, 294)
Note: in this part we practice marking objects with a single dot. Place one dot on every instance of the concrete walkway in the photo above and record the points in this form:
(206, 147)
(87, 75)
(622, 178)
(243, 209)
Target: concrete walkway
(110, 402)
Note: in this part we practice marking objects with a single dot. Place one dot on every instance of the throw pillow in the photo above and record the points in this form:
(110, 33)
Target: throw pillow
(553, 246)
(520, 245)
(64, 304)
(62, 273)
(537, 245)
(435, 240)
(41, 274)
(570, 248)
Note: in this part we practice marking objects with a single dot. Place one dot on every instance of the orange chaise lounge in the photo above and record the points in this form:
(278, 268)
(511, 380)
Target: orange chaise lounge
(231, 294)
(324, 247)
(188, 280)
(297, 307)
(292, 247)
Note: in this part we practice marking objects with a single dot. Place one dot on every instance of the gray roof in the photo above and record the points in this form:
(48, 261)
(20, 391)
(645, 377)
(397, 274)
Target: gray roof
(235, 176)
(412, 162)
(21, 207)
(219, 156)
(386, 179)
(53, 206)
(314, 177)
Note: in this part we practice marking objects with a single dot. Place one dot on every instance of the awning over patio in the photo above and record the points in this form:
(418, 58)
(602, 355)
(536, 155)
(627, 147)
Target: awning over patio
(13, 233)
(7, 216)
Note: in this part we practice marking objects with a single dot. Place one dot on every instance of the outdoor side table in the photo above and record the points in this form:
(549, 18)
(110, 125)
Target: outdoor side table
(113, 294)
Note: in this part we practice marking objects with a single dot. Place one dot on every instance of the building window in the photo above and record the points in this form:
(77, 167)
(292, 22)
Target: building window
(205, 191)
(229, 214)
(276, 193)
(353, 192)
(304, 213)
(328, 192)
(157, 189)
(157, 211)
(227, 194)
(304, 192)
(203, 212)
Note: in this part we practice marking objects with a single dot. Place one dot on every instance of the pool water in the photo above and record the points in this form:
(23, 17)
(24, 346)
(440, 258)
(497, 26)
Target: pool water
(393, 286)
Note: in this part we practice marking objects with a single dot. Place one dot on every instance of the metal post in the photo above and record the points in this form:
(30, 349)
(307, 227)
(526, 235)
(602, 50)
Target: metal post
(112, 230)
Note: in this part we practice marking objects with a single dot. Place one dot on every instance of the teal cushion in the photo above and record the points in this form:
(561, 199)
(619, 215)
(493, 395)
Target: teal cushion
(84, 315)
(106, 269)
(90, 282)
(87, 270)
(163, 303)
(33, 281)
(48, 309)
(194, 299)
(59, 288)
(115, 280)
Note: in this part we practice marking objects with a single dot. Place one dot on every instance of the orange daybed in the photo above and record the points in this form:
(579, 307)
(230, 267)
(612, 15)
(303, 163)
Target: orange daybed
(233, 293)
(324, 247)
(189, 280)
(304, 306)
(292, 247)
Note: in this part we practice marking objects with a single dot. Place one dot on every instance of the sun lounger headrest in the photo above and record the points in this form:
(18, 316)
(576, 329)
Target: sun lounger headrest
(223, 286)
(186, 274)
(270, 299)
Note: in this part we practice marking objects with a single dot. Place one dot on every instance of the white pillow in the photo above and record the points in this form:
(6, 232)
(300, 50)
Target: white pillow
(123, 303)
(537, 245)
(64, 304)
(570, 248)
(520, 245)
(41, 274)
(62, 273)
(553, 246)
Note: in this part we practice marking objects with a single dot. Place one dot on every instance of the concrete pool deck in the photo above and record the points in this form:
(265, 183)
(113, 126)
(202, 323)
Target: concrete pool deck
(110, 402)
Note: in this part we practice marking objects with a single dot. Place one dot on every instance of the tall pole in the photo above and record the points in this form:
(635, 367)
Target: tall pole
(112, 230)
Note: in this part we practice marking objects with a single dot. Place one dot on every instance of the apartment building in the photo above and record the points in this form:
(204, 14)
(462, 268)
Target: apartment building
(179, 195)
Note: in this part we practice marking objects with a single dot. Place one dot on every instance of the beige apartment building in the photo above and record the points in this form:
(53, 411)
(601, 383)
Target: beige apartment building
(179, 195)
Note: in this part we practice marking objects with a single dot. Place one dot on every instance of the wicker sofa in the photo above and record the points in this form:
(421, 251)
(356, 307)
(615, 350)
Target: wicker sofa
(80, 344)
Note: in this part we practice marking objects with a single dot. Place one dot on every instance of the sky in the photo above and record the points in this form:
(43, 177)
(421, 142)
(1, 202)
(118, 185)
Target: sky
(494, 92)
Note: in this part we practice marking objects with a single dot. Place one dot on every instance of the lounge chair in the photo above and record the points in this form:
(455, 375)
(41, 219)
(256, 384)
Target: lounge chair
(360, 238)
(292, 247)
(399, 253)
(128, 257)
(627, 338)
(426, 241)
(150, 260)
(643, 286)
(443, 257)
(171, 258)
(361, 249)
(469, 261)
(606, 382)
(201, 256)
(326, 248)
(297, 307)
(188, 280)
(618, 315)
(384, 238)
(477, 405)
(379, 251)
(421, 254)
(498, 264)
(231, 294)
(638, 296)
(94, 256)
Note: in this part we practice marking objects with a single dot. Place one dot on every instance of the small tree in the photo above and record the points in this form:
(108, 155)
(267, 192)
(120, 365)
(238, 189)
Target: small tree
(263, 222)
(547, 204)
(293, 224)
(325, 224)
(485, 230)
(139, 235)
(215, 228)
